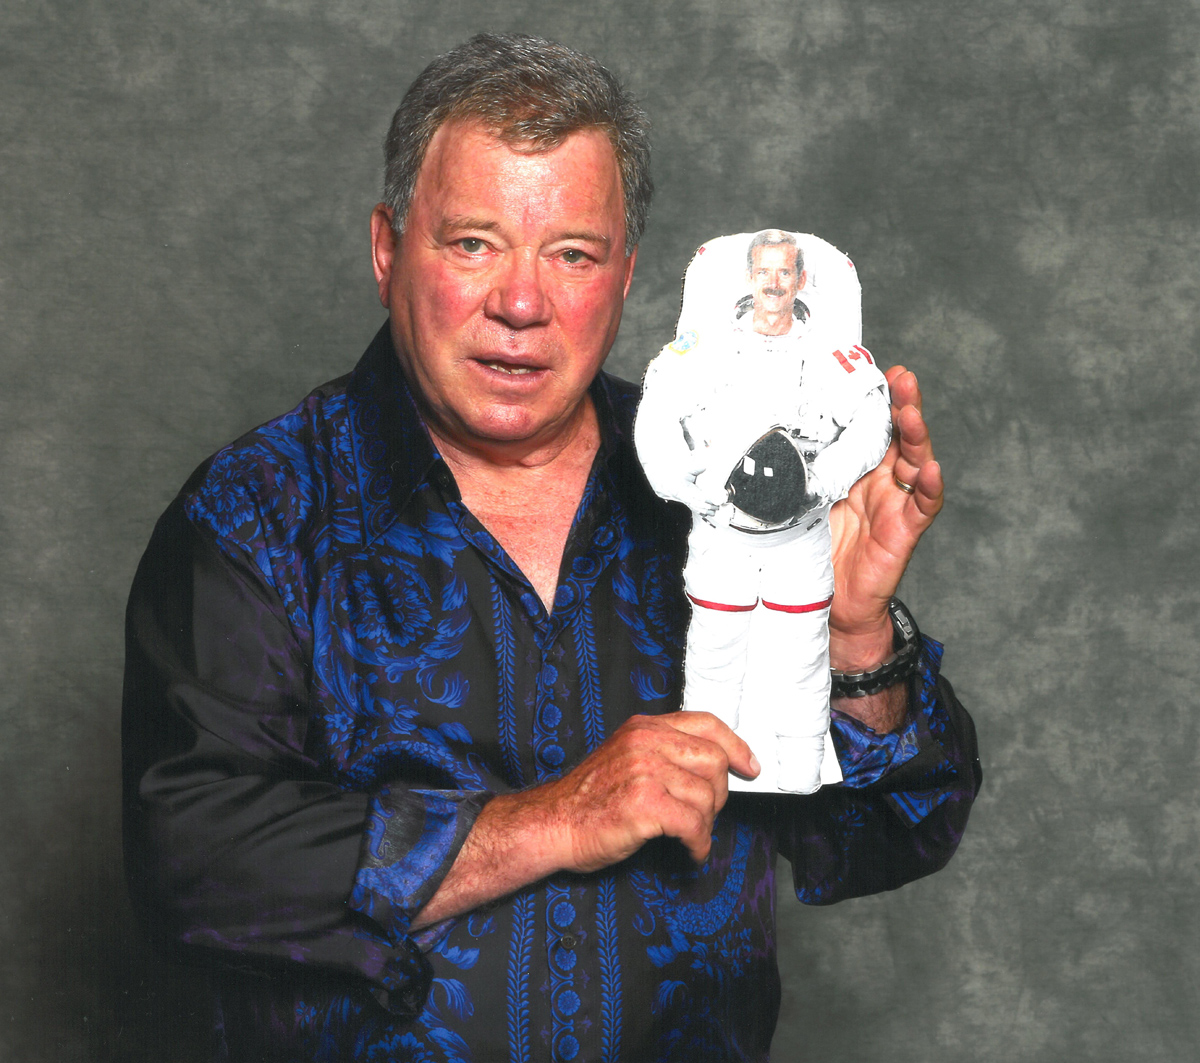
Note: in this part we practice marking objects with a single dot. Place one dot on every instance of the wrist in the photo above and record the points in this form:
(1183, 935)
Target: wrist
(876, 674)
(527, 822)
(862, 649)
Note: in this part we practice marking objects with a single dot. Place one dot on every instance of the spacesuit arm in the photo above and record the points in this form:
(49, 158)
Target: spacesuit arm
(857, 450)
(671, 456)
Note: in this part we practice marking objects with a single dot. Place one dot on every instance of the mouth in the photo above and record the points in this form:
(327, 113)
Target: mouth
(509, 368)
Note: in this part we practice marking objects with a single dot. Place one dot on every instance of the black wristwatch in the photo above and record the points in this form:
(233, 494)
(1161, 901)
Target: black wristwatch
(906, 644)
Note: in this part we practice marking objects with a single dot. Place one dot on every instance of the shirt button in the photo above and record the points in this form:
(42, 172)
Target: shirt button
(568, 942)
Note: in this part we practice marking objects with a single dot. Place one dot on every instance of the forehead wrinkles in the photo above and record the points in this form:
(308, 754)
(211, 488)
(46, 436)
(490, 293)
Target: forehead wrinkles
(468, 168)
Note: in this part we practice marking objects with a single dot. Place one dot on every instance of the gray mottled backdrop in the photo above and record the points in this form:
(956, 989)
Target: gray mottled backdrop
(184, 191)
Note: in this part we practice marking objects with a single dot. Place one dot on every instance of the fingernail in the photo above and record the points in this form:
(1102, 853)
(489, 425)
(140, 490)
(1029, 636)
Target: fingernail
(754, 764)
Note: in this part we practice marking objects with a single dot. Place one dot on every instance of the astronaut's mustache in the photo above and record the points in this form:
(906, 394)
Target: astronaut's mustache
(774, 291)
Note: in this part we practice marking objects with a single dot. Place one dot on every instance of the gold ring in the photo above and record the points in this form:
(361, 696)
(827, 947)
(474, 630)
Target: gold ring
(908, 489)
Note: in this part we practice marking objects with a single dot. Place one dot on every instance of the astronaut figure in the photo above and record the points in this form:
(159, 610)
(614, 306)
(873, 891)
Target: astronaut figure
(761, 414)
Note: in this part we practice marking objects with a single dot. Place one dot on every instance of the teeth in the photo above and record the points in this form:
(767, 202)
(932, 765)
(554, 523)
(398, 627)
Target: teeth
(511, 370)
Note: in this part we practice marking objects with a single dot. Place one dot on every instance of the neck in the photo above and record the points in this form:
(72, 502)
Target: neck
(772, 324)
(528, 497)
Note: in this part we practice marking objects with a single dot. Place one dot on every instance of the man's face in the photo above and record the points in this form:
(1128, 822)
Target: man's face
(773, 275)
(506, 288)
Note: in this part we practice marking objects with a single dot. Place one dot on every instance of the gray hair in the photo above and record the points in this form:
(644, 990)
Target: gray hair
(523, 89)
(774, 238)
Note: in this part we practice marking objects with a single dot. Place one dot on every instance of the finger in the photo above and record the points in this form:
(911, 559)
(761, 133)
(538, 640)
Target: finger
(657, 741)
(903, 387)
(913, 429)
(738, 754)
(695, 832)
(916, 447)
(699, 758)
(931, 487)
(673, 803)
(688, 813)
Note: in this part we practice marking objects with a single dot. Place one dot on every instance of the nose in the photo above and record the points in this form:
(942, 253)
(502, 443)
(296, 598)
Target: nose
(519, 298)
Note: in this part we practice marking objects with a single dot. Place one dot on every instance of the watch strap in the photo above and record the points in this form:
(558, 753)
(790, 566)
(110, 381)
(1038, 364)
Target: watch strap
(906, 646)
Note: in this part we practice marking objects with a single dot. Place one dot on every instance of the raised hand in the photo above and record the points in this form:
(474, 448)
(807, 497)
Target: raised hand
(876, 528)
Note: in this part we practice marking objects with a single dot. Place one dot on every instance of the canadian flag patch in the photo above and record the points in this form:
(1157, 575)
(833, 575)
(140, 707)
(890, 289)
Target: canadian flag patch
(856, 353)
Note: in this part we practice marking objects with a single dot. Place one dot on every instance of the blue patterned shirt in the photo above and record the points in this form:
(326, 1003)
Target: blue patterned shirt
(332, 665)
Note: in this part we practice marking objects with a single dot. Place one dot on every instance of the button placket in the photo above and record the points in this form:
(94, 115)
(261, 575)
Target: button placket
(547, 717)
(564, 938)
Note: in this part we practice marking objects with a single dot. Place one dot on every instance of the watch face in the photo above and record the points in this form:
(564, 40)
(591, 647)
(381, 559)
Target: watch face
(770, 481)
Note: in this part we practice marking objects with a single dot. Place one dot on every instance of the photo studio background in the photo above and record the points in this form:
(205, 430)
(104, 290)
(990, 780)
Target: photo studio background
(184, 194)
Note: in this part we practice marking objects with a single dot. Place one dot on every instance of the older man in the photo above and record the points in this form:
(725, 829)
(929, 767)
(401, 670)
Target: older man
(402, 758)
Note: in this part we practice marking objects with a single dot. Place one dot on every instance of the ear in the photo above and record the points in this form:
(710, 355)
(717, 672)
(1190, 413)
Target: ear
(803, 280)
(630, 260)
(384, 242)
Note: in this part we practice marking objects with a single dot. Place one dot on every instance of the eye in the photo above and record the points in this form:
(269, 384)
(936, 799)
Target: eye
(472, 245)
(573, 256)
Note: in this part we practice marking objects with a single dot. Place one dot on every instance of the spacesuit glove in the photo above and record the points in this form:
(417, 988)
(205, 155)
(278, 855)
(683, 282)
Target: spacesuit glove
(709, 494)
(711, 483)
(704, 505)
(682, 488)
(722, 516)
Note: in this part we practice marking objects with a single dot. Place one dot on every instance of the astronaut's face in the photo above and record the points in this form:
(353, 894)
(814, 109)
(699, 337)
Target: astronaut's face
(775, 282)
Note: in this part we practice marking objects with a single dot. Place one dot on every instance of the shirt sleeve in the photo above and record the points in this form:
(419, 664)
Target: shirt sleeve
(903, 805)
(237, 841)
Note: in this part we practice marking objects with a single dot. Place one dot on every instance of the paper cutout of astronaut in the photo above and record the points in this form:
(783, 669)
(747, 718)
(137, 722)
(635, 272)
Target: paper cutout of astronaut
(761, 414)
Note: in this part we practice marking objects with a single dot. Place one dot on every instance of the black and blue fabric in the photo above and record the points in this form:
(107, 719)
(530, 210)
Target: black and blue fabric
(332, 666)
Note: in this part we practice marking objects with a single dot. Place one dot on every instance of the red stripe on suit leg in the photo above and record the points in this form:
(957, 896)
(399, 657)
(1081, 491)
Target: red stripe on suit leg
(721, 608)
(798, 608)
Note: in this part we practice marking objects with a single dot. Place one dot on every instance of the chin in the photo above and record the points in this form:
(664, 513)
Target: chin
(507, 425)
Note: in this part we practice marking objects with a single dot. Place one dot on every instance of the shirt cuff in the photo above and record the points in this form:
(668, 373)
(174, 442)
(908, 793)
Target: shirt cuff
(873, 761)
(413, 837)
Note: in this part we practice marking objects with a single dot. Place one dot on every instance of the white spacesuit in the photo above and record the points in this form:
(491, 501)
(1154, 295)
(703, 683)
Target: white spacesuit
(760, 415)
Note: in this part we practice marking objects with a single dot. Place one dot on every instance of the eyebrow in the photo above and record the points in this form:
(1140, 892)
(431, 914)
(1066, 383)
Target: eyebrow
(588, 236)
(467, 221)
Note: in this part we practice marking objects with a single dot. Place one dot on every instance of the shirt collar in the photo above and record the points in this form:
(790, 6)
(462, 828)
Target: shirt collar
(394, 455)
